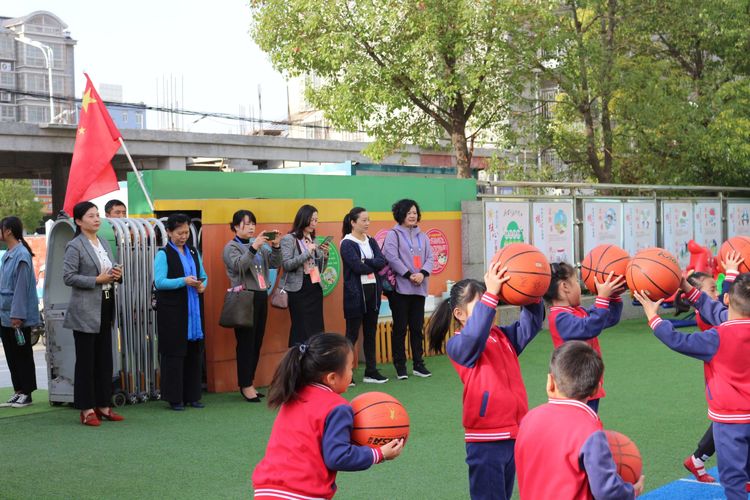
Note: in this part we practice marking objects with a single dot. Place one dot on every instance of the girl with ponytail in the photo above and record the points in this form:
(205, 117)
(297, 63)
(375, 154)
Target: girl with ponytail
(311, 437)
(19, 311)
(486, 359)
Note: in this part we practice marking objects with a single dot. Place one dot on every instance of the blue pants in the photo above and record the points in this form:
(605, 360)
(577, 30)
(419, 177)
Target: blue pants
(492, 469)
(733, 453)
(593, 404)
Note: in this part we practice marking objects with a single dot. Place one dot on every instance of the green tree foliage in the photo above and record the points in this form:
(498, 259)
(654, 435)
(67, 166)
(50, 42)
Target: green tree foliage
(403, 71)
(17, 198)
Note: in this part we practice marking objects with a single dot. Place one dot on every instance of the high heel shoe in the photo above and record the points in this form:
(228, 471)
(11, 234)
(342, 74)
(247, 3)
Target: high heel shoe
(256, 399)
(90, 419)
(111, 416)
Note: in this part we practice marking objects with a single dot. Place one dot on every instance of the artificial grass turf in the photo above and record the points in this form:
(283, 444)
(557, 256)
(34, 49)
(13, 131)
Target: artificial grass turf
(654, 396)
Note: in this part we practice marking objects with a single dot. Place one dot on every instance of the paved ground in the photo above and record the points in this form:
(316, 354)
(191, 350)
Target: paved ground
(39, 361)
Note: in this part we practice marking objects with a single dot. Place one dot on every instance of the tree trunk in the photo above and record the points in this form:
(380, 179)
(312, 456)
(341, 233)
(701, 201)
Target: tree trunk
(608, 37)
(461, 149)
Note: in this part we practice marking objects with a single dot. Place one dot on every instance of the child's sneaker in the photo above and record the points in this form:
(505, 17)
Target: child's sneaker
(697, 468)
(23, 401)
(374, 378)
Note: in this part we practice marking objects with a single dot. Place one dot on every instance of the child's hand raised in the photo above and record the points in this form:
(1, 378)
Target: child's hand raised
(638, 486)
(494, 278)
(610, 286)
(650, 307)
(733, 261)
(392, 449)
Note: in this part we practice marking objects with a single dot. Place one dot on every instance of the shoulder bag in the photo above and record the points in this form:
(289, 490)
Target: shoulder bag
(238, 309)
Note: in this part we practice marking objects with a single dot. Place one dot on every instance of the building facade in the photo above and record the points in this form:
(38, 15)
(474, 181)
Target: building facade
(24, 78)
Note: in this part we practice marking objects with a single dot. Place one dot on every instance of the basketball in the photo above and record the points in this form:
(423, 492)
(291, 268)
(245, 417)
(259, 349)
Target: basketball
(655, 270)
(739, 244)
(626, 455)
(529, 273)
(601, 261)
(378, 419)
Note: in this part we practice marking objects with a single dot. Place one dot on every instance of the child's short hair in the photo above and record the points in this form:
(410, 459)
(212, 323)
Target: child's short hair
(577, 369)
(739, 295)
(560, 272)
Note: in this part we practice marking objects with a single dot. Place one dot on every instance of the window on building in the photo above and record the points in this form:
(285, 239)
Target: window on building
(36, 114)
(6, 47)
(7, 79)
(33, 56)
(124, 117)
(7, 113)
(139, 120)
(6, 97)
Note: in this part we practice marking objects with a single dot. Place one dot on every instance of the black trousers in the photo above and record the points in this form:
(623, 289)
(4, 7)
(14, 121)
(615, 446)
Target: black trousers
(369, 323)
(181, 375)
(706, 447)
(20, 360)
(92, 386)
(407, 310)
(250, 340)
(306, 311)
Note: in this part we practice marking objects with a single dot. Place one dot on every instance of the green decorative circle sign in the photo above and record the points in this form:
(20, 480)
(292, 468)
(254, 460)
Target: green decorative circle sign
(330, 276)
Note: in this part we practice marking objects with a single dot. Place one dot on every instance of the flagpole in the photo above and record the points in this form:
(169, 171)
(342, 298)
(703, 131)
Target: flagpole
(137, 175)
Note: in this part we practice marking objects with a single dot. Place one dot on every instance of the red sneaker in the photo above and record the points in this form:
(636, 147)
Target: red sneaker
(699, 472)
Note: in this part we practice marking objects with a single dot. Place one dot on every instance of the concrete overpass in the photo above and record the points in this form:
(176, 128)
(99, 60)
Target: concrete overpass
(45, 151)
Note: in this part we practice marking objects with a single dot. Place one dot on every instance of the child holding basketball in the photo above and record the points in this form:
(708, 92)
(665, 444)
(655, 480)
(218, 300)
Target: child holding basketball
(702, 287)
(561, 450)
(311, 437)
(486, 358)
(724, 350)
(569, 321)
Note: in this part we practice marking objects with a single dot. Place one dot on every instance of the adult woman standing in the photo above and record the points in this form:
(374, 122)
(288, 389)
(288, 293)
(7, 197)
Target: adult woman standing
(180, 281)
(247, 261)
(303, 263)
(409, 255)
(362, 259)
(89, 270)
(19, 310)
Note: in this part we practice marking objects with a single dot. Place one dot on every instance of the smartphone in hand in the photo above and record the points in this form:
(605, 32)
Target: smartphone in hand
(271, 235)
(326, 241)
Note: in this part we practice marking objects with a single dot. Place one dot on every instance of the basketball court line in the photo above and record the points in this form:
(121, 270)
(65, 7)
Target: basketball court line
(688, 488)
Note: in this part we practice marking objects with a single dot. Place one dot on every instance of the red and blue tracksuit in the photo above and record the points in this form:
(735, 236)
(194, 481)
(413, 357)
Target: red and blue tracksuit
(724, 350)
(576, 323)
(562, 452)
(310, 441)
(494, 399)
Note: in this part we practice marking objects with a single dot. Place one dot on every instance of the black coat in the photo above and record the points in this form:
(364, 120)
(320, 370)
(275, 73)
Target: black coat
(354, 267)
(172, 310)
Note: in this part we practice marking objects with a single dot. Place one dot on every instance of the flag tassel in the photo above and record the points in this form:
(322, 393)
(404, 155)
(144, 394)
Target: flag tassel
(137, 175)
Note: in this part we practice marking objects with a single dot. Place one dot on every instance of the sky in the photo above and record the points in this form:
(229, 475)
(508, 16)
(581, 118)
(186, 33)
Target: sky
(138, 43)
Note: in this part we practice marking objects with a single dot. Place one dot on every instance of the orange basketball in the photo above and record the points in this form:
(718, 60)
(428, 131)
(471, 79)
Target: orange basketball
(601, 261)
(529, 273)
(739, 244)
(378, 419)
(655, 270)
(626, 455)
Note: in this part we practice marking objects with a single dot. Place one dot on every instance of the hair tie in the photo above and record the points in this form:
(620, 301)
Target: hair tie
(302, 348)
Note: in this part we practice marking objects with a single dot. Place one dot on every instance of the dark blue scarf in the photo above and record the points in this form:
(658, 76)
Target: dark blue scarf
(195, 332)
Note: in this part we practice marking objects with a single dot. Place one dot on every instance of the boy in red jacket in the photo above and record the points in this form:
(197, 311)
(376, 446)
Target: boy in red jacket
(561, 449)
(724, 351)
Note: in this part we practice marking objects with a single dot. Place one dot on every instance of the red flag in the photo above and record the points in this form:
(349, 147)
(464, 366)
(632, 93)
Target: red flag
(97, 141)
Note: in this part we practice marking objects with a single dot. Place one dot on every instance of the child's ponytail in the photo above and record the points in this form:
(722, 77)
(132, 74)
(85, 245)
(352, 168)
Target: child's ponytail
(461, 294)
(307, 363)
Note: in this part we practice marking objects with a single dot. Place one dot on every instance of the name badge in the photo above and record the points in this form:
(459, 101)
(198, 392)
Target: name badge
(368, 279)
(417, 262)
(262, 281)
(315, 274)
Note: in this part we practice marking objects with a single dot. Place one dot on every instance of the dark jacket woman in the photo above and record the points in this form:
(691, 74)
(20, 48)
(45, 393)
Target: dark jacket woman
(179, 316)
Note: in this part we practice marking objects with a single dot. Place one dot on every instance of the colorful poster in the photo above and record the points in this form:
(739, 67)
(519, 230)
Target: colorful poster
(708, 225)
(602, 224)
(553, 231)
(440, 250)
(504, 223)
(330, 276)
(738, 219)
(639, 226)
(677, 229)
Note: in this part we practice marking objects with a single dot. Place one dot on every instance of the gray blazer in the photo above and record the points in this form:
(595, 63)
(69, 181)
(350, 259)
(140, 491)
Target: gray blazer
(80, 269)
(238, 256)
(292, 260)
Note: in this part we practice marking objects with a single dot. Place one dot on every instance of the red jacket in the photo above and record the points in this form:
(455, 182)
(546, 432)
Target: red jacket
(576, 323)
(308, 432)
(486, 359)
(562, 453)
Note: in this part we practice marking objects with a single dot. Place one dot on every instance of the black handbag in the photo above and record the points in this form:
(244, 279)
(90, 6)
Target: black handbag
(238, 308)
